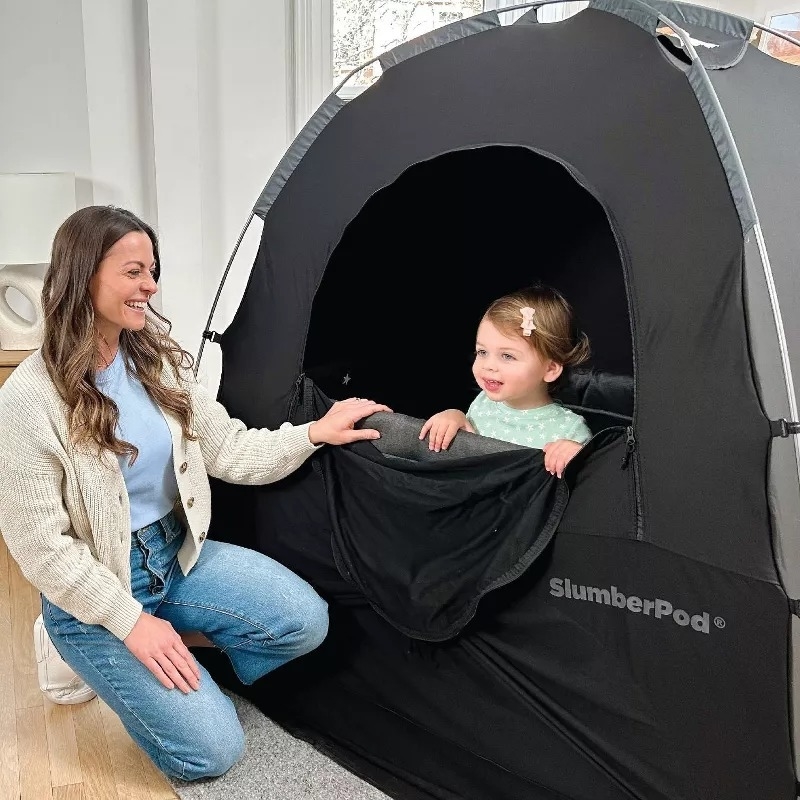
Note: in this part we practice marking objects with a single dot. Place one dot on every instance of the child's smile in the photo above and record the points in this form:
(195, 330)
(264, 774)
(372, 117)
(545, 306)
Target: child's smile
(492, 386)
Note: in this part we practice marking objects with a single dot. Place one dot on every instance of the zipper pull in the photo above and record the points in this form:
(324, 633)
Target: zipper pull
(630, 446)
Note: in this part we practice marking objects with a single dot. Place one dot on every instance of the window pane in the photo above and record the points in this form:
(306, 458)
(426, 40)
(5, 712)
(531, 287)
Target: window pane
(780, 48)
(363, 29)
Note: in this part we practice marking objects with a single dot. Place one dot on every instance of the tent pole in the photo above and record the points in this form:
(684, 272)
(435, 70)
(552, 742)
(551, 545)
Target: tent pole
(207, 332)
(779, 34)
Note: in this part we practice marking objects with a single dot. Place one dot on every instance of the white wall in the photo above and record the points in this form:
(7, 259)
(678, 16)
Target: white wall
(43, 105)
(176, 109)
(744, 8)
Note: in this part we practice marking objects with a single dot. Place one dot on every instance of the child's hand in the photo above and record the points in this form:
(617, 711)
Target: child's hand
(443, 427)
(558, 454)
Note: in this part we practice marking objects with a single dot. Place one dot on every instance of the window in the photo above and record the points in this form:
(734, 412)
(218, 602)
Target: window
(331, 38)
(363, 29)
(787, 22)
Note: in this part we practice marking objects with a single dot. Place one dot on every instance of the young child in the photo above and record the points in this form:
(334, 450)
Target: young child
(524, 342)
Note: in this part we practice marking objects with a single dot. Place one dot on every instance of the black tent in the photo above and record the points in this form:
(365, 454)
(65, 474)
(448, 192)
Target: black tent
(635, 637)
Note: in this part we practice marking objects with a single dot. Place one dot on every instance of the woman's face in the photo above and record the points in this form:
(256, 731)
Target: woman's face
(123, 285)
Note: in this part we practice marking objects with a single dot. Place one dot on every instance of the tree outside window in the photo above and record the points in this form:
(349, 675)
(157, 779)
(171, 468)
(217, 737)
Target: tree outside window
(363, 29)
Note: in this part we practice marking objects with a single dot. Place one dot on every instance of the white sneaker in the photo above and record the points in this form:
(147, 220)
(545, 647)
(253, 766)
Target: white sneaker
(56, 678)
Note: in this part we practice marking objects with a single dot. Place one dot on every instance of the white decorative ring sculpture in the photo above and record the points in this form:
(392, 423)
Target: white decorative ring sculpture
(16, 332)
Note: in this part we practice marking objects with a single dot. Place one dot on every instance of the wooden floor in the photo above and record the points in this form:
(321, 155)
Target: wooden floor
(78, 752)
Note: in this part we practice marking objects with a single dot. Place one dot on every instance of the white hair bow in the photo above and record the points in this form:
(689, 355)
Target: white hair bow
(527, 320)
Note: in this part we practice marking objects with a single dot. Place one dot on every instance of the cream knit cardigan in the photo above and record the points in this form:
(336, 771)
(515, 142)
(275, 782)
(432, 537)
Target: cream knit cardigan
(64, 511)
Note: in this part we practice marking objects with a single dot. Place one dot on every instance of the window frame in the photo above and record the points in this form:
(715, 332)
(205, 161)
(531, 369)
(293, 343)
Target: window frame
(310, 66)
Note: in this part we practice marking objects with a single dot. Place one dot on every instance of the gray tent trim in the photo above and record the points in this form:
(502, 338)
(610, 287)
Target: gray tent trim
(444, 35)
(324, 114)
(648, 15)
(634, 11)
(723, 140)
(730, 25)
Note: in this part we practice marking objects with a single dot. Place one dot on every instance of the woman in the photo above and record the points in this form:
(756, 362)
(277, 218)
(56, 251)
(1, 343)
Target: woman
(107, 443)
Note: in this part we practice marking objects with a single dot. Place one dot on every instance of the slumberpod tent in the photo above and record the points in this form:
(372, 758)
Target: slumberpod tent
(631, 630)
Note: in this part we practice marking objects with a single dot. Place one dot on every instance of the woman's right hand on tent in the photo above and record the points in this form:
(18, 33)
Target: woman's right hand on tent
(160, 648)
(443, 428)
(338, 425)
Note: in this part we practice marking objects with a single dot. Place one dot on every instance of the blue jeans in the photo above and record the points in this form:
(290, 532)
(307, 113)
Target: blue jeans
(254, 609)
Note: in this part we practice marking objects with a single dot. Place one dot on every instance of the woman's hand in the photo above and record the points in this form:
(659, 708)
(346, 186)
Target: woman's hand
(160, 648)
(338, 425)
(443, 428)
(558, 454)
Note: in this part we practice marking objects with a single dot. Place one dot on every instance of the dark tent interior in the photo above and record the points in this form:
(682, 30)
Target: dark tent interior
(429, 252)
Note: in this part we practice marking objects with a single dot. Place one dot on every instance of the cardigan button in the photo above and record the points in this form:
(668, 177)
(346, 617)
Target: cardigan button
(190, 502)
(202, 536)
(183, 467)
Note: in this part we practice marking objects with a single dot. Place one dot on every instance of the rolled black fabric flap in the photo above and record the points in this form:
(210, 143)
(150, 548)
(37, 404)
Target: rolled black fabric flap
(424, 540)
(597, 390)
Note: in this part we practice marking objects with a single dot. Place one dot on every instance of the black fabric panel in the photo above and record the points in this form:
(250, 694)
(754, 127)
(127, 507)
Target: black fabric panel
(595, 389)
(426, 540)
(680, 704)
(546, 696)
(603, 492)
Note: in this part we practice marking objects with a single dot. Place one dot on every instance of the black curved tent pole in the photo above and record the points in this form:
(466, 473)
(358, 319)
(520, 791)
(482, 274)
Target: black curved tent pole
(208, 334)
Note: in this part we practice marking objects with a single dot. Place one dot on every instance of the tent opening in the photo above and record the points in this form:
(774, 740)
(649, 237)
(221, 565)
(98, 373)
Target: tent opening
(396, 313)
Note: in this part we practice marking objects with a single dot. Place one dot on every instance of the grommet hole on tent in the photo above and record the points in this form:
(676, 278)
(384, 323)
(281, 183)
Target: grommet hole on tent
(395, 315)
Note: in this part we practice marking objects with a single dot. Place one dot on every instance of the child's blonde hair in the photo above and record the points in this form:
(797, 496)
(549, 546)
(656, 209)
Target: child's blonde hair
(554, 334)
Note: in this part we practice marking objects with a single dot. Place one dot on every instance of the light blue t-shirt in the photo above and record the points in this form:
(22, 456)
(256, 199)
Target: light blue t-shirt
(531, 427)
(152, 488)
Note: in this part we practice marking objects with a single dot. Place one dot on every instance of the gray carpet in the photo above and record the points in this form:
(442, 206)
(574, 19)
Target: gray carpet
(276, 766)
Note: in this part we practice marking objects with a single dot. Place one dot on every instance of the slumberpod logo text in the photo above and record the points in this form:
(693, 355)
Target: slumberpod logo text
(657, 608)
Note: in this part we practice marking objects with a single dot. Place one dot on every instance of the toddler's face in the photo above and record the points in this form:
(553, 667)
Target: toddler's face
(510, 371)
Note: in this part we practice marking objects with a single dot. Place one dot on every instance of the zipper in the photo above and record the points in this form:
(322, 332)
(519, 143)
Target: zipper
(629, 459)
(630, 439)
(294, 398)
(630, 446)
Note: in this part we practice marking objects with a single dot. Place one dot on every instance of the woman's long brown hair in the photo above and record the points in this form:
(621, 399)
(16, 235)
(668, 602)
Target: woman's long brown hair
(70, 337)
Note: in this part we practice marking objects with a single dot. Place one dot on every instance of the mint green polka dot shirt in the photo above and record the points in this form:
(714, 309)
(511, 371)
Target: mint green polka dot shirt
(532, 427)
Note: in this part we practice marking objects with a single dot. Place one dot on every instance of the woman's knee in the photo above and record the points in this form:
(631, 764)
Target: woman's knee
(312, 622)
(210, 753)
(303, 625)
